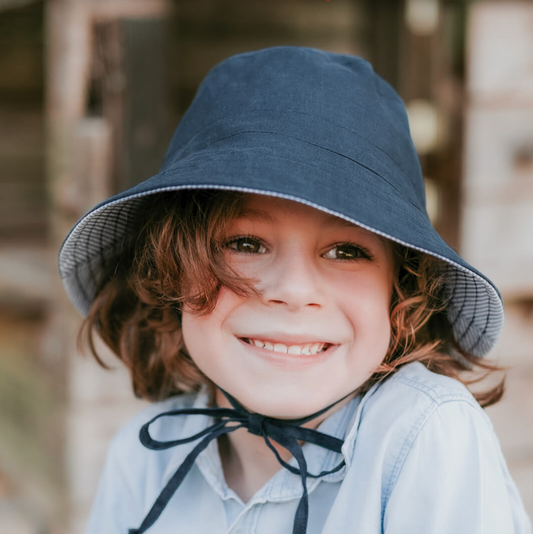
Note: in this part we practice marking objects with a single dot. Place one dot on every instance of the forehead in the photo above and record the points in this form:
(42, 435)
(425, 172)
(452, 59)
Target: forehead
(274, 210)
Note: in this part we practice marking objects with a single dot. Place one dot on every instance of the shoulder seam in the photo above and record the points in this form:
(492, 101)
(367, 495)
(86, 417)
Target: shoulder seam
(433, 395)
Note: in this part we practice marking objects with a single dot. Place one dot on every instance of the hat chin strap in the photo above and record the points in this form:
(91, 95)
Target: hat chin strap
(299, 421)
(285, 432)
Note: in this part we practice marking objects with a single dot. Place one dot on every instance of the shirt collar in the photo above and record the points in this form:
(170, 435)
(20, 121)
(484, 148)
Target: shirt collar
(343, 424)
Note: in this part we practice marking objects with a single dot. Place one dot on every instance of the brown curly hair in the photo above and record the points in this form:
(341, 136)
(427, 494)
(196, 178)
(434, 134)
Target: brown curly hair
(174, 257)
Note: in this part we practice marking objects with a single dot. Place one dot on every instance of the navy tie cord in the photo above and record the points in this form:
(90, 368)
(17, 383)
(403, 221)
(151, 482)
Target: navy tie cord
(286, 432)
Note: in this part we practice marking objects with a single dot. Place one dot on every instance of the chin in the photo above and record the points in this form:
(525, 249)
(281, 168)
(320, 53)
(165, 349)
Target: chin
(281, 406)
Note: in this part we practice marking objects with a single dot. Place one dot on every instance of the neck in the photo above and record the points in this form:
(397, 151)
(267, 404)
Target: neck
(247, 461)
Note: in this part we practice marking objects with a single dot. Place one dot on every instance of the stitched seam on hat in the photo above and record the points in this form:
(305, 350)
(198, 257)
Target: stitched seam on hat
(177, 164)
(296, 112)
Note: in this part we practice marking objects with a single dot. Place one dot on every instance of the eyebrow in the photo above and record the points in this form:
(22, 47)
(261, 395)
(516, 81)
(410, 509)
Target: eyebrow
(262, 215)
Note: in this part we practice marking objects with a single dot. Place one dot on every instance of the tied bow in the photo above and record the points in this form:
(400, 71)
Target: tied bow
(286, 432)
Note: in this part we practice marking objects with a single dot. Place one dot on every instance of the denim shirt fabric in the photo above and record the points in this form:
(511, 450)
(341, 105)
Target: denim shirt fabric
(421, 457)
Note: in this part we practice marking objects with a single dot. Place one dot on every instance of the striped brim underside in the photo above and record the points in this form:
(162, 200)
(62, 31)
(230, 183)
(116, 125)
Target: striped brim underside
(475, 310)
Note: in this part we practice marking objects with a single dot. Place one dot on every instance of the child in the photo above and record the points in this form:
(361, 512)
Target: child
(279, 293)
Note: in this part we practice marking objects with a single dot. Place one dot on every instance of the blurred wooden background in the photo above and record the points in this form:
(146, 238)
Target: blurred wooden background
(90, 92)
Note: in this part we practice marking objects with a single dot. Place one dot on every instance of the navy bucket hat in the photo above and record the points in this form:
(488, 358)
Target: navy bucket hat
(315, 127)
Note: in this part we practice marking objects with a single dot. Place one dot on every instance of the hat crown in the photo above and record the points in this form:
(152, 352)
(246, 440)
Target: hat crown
(334, 101)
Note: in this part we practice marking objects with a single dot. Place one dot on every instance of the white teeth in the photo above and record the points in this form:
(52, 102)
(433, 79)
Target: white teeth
(308, 349)
(316, 347)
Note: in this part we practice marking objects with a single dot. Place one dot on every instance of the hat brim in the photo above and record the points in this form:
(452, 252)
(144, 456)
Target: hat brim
(303, 173)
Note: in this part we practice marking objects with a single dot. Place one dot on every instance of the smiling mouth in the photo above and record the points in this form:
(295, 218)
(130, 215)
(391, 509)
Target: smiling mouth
(307, 349)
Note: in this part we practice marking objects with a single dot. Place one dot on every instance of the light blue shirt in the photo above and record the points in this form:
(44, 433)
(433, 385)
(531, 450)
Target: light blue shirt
(421, 458)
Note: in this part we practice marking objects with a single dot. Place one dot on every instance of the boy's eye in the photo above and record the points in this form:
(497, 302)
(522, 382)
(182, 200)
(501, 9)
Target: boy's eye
(246, 245)
(346, 251)
(341, 251)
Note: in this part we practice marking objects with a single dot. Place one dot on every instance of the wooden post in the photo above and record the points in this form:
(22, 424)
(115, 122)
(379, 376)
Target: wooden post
(132, 85)
(84, 142)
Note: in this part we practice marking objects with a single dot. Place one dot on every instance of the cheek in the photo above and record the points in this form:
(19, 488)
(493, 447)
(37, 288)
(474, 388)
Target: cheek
(202, 341)
(371, 338)
(204, 335)
(196, 336)
(368, 309)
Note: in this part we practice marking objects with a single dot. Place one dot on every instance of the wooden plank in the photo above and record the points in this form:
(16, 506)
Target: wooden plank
(500, 53)
(23, 210)
(498, 195)
(133, 92)
(146, 104)
(15, 4)
(498, 187)
(109, 10)
(68, 60)
(243, 17)
(385, 25)
(91, 164)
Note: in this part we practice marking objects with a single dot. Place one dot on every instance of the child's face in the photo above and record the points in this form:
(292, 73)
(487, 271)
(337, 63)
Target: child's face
(322, 280)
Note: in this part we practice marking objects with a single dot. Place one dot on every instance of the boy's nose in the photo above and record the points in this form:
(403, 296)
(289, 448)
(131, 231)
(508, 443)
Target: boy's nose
(293, 281)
